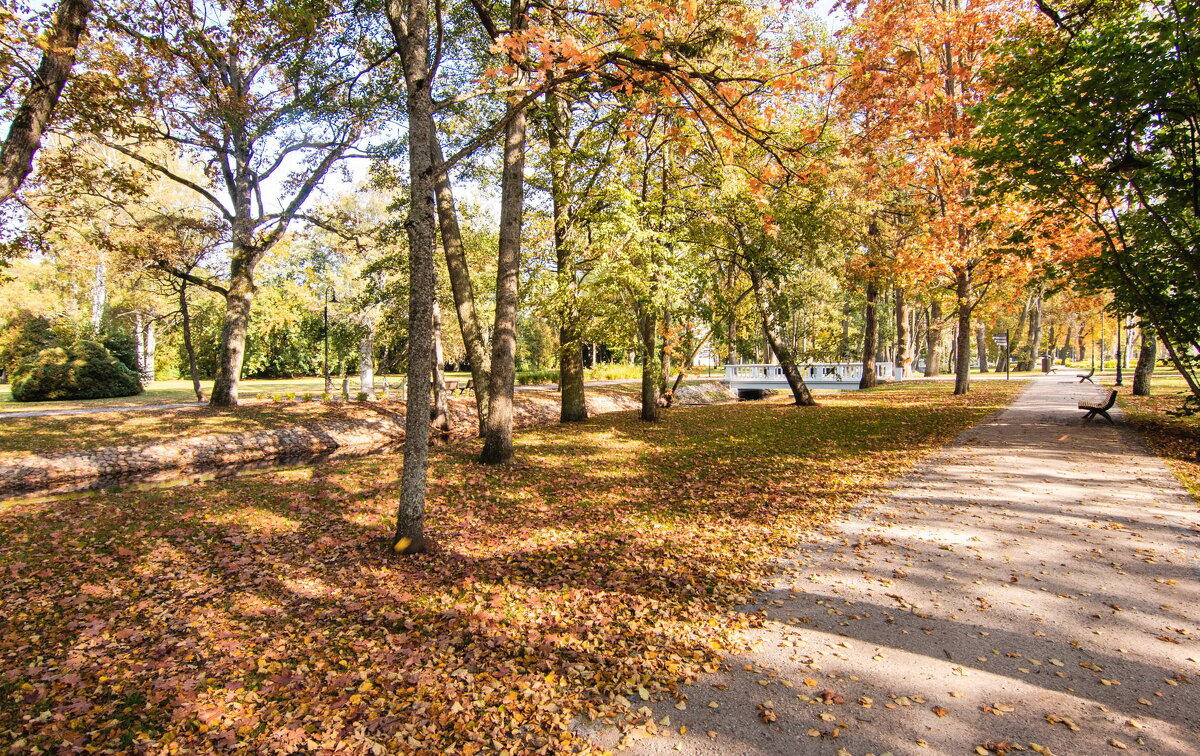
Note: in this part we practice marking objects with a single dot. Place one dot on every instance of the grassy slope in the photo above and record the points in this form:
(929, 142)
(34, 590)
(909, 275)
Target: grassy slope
(1175, 439)
(267, 612)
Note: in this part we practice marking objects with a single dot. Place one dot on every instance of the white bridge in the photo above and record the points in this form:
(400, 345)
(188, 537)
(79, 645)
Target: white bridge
(816, 375)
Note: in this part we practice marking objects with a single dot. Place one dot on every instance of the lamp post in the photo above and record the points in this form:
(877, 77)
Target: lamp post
(329, 297)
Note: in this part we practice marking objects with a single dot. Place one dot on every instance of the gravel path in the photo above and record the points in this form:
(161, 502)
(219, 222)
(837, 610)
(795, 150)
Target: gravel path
(1034, 586)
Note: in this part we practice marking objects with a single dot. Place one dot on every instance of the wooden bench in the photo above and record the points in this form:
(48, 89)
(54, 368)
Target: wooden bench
(1100, 409)
(1086, 377)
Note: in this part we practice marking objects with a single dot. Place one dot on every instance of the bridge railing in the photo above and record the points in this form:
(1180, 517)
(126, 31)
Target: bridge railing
(811, 372)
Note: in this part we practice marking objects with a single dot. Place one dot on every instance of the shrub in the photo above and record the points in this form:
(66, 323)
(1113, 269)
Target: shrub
(535, 377)
(83, 370)
(362, 396)
(291, 396)
(325, 397)
(124, 347)
(26, 335)
(613, 371)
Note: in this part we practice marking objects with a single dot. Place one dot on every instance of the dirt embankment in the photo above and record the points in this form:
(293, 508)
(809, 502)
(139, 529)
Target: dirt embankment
(369, 426)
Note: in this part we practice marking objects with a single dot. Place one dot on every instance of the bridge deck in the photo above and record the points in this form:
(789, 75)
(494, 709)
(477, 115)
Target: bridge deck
(816, 375)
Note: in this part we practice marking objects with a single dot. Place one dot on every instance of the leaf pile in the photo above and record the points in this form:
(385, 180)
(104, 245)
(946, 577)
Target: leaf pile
(265, 614)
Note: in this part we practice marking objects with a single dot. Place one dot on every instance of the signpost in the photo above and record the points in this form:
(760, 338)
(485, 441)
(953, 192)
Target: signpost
(1002, 342)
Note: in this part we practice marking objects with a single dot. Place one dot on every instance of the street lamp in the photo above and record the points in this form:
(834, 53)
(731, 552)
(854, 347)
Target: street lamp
(330, 296)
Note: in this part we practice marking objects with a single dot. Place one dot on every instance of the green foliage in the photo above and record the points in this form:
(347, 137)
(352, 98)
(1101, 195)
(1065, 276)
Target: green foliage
(123, 346)
(83, 370)
(536, 377)
(26, 335)
(613, 371)
(1098, 124)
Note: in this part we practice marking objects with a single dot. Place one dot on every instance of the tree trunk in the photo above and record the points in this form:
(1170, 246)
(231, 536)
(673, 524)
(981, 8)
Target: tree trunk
(366, 359)
(188, 346)
(45, 86)
(572, 406)
(1145, 362)
(139, 343)
(647, 331)
(981, 347)
(149, 348)
(870, 338)
(460, 284)
(665, 358)
(439, 416)
(410, 27)
(770, 325)
(731, 356)
(962, 350)
(903, 337)
(232, 351)
(1029, 362)
(99, 297)
(933, 341)
(497, 436)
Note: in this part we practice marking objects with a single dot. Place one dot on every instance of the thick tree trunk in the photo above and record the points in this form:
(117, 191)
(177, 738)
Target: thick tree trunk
(1030, 358)
(410, 26)
(1145, 362)
(647, 326)
(870, 338)
(770, 324)
(570, 374)
(188, 346)
(981, 347)
(903, 336)
(45, 86)
(460, 284)
(232, 350)
(439, 416)
(962, 350)
(366, 359)
(497, 436)
(572, 405)
(933, 340)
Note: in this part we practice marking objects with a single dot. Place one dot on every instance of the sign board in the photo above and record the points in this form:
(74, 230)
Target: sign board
(1000, 339)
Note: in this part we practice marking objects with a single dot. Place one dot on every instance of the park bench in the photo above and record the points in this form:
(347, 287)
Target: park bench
(1086, 376)
(1100, 409)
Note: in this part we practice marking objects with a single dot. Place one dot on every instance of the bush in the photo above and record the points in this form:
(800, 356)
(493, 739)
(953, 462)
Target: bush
(83, 370)
(535, 377)
(613, 371)
(26, 335)
(124, 347)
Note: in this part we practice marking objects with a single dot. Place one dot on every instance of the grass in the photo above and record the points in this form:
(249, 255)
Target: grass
(1175, 439)
(266, 614)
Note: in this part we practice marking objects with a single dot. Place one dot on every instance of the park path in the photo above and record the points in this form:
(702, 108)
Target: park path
(1036, 582)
